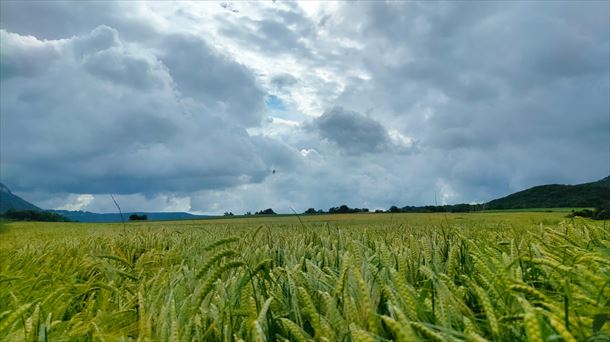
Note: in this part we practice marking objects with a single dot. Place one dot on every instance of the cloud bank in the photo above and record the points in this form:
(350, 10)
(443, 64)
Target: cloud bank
(191, 106)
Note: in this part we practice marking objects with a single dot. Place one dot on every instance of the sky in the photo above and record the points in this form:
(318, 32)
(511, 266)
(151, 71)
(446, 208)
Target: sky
(192, 106)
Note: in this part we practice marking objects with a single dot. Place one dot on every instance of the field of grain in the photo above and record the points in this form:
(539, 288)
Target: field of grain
(362, 277)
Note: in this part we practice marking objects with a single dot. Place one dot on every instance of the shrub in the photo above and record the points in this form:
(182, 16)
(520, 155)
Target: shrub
(136, 217)
(603, 214)
(582, 213)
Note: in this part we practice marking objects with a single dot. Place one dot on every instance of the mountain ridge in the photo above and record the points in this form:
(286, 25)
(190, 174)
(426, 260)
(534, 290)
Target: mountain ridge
(8, 201)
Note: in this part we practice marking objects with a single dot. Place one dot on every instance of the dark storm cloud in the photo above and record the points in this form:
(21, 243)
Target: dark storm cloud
(351, 131)
(104, 58)
(106, 117)
(478, 81)
(281, 31)
(478, 51)
(213, 79)
(268, 36)
(64, 19)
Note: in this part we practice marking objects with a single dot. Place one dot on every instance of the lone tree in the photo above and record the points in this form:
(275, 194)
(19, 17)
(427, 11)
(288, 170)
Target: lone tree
(136, 217)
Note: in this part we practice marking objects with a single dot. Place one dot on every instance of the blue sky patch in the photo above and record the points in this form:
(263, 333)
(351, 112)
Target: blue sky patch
(274, 103)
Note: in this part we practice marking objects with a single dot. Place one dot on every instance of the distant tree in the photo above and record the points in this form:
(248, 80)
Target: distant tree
(228, 213)
(310, 211)
(248, 213)
(339, 210)
(343, 209)
(267, 211)
(582, 213)
(136, 217)
(378, 210)
(394, 209)
(460, 208)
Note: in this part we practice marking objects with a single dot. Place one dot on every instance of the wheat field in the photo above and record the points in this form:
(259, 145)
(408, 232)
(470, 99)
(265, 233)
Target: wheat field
(374, 277)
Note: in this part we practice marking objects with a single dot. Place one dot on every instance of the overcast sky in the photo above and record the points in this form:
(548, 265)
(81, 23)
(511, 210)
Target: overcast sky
(191, 106)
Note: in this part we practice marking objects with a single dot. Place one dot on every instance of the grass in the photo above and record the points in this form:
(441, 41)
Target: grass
(351, 277)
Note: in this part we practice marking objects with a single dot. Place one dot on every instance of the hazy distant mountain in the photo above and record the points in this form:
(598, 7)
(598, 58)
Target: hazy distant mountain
(86, 216)
(556, 196)
(8, 200)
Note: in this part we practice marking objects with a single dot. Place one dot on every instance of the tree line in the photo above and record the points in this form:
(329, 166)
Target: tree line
(33, 215)
(344, 209)
(455, 208)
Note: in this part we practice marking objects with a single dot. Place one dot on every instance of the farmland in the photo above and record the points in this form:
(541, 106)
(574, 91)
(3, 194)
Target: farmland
(356, 277)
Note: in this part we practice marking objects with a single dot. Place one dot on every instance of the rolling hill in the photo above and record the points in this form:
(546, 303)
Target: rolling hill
(587, 195)
(8, 201)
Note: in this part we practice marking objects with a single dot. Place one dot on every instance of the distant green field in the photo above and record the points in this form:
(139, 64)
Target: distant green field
(535, 210)
(501, 276)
